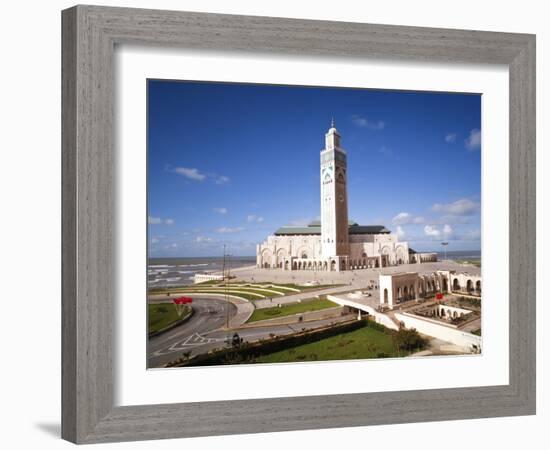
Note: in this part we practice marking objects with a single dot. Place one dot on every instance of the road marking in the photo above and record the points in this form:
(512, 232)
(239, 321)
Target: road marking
(194, 340)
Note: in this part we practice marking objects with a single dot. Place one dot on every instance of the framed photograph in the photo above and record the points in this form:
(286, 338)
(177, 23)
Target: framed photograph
(335, 219)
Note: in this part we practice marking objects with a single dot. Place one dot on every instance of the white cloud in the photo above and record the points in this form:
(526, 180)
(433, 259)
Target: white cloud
(222, 179)
(450, 138)
(363, 122)
(201, 239)
(462, 207)
(435, 233)
(401, 218)
(230, 230)
(432, 231)
(254, 218)
(220, 210)
(195, 174)
(159, 221)
(154, 220)
(154, 241)
(404, 218)
(400, 232)
(473, 141)
(191, 173)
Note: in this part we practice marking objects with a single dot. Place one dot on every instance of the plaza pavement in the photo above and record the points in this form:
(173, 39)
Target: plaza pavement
(349, 280)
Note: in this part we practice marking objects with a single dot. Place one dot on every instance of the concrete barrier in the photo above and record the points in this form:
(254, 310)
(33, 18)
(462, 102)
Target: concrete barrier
(379, 317)
(441, 331)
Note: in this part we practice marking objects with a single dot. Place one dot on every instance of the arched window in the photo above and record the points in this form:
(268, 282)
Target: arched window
(456, 286)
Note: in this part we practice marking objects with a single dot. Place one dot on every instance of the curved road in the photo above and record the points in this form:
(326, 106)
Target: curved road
(203, 332)
(209, 314)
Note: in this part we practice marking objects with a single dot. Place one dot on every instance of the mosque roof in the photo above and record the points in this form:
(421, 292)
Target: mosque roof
(315, 228)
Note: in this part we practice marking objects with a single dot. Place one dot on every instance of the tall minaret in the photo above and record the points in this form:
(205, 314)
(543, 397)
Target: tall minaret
(334, 196)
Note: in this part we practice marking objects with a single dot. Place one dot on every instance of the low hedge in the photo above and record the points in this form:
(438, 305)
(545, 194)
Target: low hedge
(249, 351)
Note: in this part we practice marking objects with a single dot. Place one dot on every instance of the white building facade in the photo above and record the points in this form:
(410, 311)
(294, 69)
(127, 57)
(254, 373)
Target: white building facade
(400, 287)
(334, 243)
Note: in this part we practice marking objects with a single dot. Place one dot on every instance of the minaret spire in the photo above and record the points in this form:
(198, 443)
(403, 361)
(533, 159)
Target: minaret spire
(334, 198)
(332, 125)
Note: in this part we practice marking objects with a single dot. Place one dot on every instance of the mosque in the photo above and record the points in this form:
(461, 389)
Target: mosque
(335, 243)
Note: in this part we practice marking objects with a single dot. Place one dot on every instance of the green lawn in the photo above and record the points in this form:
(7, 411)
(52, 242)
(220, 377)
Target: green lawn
(364, 343)
(229, 289)
(288, 310)
(162, 315)
(245, 296)
(307, 288)
(218, 289)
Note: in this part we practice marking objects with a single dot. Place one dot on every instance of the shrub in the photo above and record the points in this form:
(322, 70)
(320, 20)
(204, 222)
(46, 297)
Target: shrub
(408, 339)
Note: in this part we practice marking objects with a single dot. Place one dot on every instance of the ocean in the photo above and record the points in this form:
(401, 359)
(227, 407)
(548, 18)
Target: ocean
(181, 271)
(458, 255)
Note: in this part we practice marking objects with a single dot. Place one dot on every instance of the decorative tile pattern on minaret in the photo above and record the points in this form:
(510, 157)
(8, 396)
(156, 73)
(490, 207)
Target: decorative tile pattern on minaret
(334, 196)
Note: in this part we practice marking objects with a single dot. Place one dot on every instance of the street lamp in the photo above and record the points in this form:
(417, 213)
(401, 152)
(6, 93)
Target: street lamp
(226, 299)
(444, 244)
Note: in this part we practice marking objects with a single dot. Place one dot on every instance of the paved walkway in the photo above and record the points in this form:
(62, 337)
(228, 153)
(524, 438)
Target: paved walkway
(351, 279)
(253, 274)
(437, 347)
(244, 307)
(297, 318)
(270, 303)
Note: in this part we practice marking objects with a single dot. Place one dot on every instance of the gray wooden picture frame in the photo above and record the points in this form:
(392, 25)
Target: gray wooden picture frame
(90, 34)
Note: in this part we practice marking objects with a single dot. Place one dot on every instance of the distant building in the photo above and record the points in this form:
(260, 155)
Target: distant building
(334, 243)
(400, 287)
(202, 277)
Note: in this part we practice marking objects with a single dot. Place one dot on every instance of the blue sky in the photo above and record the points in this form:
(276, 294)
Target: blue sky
(230, 163)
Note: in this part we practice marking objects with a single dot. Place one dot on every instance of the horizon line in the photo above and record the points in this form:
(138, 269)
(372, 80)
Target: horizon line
(254, 256)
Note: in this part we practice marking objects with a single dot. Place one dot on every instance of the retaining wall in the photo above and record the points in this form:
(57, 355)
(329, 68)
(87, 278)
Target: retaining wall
(440, 331)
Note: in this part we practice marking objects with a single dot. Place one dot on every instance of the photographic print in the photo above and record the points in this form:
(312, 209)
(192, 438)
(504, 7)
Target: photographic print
(293, 224)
